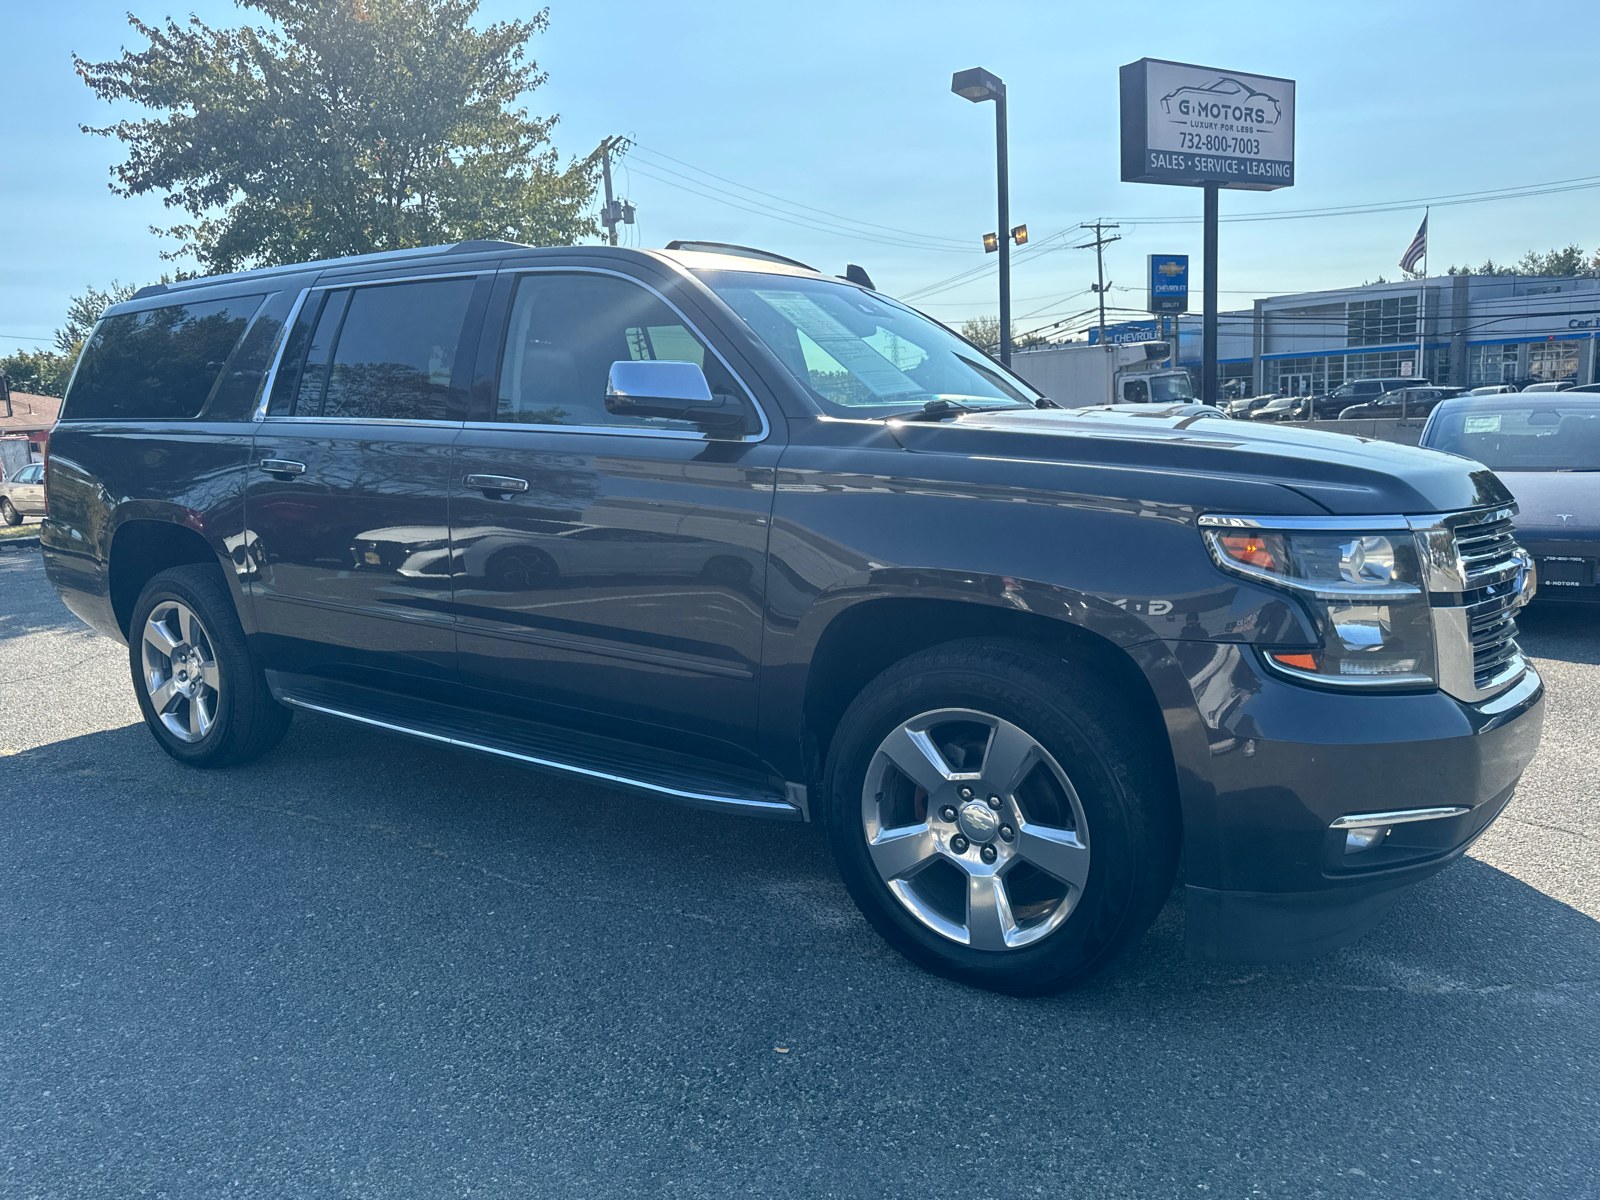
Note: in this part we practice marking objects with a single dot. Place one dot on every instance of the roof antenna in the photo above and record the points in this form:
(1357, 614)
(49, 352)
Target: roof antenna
(855, 274)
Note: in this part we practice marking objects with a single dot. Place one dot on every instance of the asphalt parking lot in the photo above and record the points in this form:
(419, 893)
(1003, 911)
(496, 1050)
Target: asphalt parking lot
(367, 968)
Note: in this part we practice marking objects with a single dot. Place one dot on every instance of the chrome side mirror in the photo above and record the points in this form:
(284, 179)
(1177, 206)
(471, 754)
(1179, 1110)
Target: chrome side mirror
(670, 390)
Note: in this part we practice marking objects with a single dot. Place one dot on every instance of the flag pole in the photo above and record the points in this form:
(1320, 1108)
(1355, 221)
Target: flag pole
(1422, 305)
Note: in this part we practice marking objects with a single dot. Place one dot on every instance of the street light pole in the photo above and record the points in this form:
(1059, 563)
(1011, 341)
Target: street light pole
(1003, 169)
(979, 85)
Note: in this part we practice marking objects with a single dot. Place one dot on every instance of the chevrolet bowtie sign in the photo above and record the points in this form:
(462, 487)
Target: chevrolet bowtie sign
(1190, 125)
(1169, 283)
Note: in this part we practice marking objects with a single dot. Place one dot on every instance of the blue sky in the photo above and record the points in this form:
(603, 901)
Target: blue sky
(846, 108)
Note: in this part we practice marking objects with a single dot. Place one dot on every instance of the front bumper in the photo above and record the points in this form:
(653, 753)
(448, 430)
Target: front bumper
(1267, 875)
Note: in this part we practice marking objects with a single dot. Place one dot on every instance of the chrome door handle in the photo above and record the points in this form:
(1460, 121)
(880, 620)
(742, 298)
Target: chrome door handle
(496, 483)
(282, 466)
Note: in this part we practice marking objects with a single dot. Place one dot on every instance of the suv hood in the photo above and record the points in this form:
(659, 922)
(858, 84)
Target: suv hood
(1344, 474)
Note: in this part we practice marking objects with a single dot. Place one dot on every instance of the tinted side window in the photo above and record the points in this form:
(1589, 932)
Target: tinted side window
(395, 352)
(567, 330)
(158, 364)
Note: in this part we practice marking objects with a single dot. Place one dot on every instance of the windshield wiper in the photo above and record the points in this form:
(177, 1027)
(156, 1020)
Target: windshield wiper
(939, 410)
(933, 410)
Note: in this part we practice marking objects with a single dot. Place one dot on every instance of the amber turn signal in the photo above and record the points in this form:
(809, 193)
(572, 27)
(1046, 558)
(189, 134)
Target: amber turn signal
(1301, 662)
(1255, 549)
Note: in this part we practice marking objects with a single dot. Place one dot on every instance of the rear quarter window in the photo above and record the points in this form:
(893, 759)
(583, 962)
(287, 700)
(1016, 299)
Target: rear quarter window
(157, 364)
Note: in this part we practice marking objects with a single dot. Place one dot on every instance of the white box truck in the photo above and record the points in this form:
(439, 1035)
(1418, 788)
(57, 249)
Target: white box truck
(1078, 374)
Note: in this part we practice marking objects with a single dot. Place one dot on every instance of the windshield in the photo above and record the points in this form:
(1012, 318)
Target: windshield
(1169, 389)
(860, 355)
(1525, 437)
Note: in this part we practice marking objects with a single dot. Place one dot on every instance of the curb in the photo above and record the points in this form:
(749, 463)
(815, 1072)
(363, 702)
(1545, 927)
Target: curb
(28, 543)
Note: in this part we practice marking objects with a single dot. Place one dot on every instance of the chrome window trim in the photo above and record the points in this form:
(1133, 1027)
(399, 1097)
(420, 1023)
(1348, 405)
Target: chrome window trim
(335, 286)
(277, 355)
(679, 434)
(1402, 816)
(402, 421)
(682, 435)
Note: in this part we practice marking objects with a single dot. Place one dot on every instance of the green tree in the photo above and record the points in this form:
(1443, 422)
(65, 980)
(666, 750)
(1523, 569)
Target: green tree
(342, 127)
(1558, 263)
(985, 332)
(38, 372)
(83, 311)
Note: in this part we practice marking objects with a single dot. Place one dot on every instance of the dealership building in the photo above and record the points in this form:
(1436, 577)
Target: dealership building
(1471, 330)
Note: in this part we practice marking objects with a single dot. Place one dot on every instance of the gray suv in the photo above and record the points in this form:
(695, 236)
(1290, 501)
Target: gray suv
(726, 531)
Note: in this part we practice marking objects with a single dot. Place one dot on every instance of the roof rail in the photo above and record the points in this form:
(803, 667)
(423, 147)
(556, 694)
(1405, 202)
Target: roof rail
(738, 252)
(470, 246)
(483, 245)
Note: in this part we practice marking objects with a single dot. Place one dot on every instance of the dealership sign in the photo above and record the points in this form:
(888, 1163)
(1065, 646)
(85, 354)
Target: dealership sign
(1169, 282)
(1128, 331)
(1190, 125)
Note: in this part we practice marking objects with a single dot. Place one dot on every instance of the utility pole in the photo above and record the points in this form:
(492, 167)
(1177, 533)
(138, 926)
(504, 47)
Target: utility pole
(1100, 243)
(615, 212)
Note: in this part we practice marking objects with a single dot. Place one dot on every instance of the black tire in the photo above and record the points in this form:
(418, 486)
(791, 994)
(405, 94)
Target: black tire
(1118, 765)
(8, 512)
(248, 721)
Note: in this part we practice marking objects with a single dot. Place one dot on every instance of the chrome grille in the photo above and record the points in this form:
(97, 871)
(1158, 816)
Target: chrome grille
(1487, 551)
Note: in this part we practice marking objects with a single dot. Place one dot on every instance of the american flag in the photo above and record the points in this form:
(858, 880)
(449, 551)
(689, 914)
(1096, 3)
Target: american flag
(1418, 248)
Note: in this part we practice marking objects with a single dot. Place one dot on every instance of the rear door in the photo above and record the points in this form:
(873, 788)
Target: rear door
(347, 502)
(609, 570)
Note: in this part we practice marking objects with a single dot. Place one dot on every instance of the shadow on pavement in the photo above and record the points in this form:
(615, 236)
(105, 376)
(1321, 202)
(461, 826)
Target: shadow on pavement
(27, 601)
(1570, 632)
(368, 958)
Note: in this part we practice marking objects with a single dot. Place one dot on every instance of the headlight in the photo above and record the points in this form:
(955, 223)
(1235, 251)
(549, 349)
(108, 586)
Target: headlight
(1363, 589)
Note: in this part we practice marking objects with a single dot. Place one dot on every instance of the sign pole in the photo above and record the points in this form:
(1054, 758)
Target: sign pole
(1208, 334)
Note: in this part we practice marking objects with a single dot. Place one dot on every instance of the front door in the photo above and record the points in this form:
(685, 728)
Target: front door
(609, 570)
(347, 507)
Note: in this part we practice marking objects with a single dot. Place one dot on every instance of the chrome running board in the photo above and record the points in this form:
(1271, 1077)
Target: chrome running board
(542, 749)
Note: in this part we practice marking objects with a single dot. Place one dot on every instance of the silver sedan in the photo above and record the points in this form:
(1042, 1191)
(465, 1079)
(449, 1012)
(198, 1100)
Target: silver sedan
(22, 495)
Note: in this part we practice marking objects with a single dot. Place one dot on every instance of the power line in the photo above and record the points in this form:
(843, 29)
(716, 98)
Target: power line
(1521, 191)
(693, 186)
(953, 242)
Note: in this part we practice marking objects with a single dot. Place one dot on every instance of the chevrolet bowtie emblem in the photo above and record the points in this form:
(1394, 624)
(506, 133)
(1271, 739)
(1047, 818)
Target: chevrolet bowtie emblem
(1170, 269)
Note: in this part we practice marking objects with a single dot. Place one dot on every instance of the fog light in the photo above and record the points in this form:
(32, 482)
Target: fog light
(1357, 840)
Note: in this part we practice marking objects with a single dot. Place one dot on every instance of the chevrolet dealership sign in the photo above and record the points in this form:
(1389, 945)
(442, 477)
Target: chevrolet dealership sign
(1190, 125)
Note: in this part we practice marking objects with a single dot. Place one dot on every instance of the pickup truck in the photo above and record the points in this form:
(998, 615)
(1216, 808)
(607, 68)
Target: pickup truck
(723, 530)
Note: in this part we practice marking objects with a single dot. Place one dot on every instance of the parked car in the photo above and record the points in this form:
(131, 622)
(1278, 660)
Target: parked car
(22, 495)
(1402, 402)
(1359, 391)
(1278, 408)
(1550, 385)
(1245, 405)
(1586, 387)
(1015, 658)
(1494, 389)
(1546, 450)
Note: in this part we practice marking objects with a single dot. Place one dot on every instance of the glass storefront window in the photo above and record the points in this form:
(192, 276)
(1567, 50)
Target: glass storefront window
(1492, 364)
(1381, 322)
(1553, 360)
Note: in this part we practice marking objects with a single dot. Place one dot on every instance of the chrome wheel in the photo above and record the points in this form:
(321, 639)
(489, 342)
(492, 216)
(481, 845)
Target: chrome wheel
(975, 829)
(180, 671)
